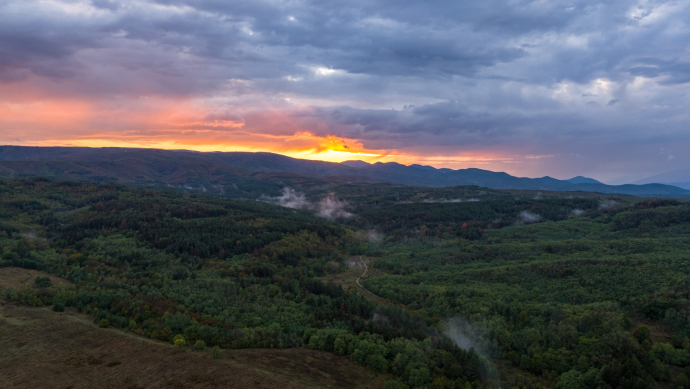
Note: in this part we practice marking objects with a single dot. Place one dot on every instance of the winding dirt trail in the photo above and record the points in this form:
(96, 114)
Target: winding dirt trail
(366, 269)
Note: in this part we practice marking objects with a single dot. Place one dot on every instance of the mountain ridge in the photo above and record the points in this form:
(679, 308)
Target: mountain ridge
(679, 178)
(174, 166)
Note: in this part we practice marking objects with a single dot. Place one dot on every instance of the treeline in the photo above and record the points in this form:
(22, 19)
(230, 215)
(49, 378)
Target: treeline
(468, 219)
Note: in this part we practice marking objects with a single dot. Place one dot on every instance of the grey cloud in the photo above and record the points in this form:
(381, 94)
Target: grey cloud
(448, 125)
(23, 52)
(673, 71)
(106, 4)
(381, 38)
(439, 119)
(359, 40)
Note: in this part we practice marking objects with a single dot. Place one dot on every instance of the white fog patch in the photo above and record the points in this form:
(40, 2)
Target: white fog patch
(460, 336)
(608, 204)
(468, 336)
(577, 212)
(331, 208)
(434, 201)
(292, 199)
(528, 217)
(373, 236)
(328, 208)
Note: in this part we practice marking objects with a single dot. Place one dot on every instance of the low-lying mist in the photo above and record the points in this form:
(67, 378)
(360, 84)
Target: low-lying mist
(328, 207)
(526, 217)
(467, 336)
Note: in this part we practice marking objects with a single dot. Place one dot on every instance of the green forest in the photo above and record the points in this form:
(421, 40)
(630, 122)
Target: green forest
(484, 288)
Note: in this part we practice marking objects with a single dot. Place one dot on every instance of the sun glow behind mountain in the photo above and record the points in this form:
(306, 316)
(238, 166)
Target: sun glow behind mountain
(44, 120)
(301, 145)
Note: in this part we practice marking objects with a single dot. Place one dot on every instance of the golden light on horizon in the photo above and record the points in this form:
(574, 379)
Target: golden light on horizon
(309, 146)
(190, 125)
(327, 149)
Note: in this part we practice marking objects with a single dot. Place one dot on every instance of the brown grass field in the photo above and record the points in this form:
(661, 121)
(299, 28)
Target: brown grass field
(40, 348)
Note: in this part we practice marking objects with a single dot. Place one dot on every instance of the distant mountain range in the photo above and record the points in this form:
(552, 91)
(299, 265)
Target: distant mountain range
(679, 178)
(226, 172)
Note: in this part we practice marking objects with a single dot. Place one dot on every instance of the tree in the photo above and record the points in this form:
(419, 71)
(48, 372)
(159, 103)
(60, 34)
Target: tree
(43, 282)
(179, 341)
(377, 363)
(358, 356)
(419, 377)
(11, 294)
(393, 384)
(23, 249)
(642, 333)
(570, 380)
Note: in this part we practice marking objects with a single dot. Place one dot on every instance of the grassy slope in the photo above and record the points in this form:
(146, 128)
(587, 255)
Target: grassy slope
(42, 348)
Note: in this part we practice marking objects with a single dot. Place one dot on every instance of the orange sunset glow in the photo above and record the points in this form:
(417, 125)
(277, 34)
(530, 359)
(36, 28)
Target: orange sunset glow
(189, 125)
(301, 145)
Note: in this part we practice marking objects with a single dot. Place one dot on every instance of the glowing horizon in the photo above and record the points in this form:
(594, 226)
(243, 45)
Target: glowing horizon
(191, 124)
(314, 154)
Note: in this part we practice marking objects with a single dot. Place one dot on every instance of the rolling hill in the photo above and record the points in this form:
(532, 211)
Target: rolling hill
(242, 174)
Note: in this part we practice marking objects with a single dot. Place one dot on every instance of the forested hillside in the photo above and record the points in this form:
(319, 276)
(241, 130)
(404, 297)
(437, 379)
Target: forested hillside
(483, 288)
(241, 174)
(563, 300)
(206, 271)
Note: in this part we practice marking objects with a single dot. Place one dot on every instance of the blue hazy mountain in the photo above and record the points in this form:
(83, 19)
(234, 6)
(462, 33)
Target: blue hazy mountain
(582, 180)
(679, 178)
(161, 165)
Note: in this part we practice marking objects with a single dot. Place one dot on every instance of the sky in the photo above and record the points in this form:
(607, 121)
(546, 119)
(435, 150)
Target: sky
(532, 88)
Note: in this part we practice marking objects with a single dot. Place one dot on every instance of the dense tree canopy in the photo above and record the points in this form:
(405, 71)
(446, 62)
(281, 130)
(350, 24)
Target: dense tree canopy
(485, 288)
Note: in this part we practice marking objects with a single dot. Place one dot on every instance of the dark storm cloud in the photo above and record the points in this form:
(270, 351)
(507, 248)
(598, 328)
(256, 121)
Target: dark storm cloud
(424, 39)
(517, 73)
(39, 49)
(20, 53)
(447, 118)
(674, 71)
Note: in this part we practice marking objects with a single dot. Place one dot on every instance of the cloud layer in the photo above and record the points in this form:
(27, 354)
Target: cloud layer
(530, 87)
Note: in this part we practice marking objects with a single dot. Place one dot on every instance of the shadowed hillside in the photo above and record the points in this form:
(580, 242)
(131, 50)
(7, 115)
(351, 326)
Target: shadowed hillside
(236, 174)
